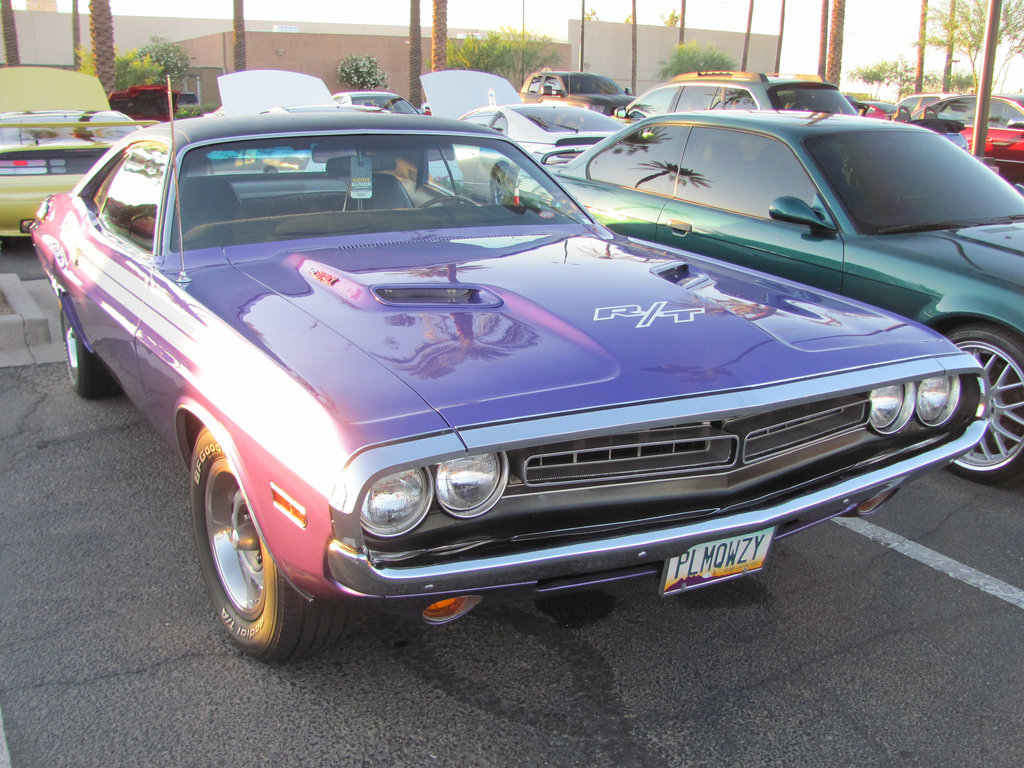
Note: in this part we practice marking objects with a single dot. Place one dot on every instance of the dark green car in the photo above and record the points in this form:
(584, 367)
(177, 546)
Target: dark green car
(890, 214)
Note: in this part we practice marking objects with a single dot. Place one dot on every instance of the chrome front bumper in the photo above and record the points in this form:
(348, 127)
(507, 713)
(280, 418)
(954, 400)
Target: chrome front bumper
(355, 575)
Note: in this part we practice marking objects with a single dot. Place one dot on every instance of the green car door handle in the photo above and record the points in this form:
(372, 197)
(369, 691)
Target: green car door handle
(680, 228)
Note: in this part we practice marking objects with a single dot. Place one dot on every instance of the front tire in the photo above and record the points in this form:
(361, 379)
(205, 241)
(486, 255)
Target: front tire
(999, 455)
(263, 614)
(89, 376)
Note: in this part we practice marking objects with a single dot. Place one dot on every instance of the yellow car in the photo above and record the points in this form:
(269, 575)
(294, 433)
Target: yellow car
(54, 124)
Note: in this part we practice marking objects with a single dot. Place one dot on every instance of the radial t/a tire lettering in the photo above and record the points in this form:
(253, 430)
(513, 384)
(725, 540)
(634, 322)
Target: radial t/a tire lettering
(261, 612)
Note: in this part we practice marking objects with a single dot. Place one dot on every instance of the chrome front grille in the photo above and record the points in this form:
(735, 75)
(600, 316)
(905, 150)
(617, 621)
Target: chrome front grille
(688, 449)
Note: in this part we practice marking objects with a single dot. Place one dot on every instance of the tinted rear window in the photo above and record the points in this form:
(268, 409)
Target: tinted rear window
(810, 97)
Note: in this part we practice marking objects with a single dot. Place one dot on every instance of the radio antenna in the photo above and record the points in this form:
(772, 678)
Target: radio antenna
(183, 278)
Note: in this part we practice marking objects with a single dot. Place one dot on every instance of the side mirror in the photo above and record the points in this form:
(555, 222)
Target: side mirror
(620, 113)
(629, 91)
(796, 211)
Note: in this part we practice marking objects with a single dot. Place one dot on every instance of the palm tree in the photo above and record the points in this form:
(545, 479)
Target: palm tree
(746, 37)
(834, 69)
(11, 55)
(101, 31)
(823, 40)
(782, 26)
(922, 34)
(633, 22)
(439, 38)
(415, 53)
(947, 71)
(682, 21)
(76, 36)
(239, 41)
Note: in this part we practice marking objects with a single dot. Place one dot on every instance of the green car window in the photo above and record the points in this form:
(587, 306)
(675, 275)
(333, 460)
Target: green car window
(646, 159)
(740, 171)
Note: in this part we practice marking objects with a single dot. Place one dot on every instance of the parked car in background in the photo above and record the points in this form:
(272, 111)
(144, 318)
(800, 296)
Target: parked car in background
(881, 110)
(738, 90)
(582, 89)
(878, 211)
(54, 124)
(393, 387)
(144, 102)
(543, 129)
(915, 103)
(383, 100)
(1004, 142)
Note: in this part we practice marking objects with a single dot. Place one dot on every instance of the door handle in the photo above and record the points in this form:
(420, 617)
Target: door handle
(680, 228)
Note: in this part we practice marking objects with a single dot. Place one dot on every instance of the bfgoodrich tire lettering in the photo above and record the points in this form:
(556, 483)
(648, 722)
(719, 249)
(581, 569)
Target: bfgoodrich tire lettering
(1000, 453)
(261, 611)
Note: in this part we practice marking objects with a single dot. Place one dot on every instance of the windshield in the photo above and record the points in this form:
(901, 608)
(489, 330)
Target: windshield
(386, 101)
(592, 84)
(266, 190)
(560, 120)
(902, 180)
(810, 97)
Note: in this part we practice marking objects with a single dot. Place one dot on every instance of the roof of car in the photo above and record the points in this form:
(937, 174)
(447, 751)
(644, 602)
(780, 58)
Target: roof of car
(773, 78)
(791, 125)
(199, 129)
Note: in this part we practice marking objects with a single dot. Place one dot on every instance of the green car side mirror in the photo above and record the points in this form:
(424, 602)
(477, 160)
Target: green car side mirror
(796, 211)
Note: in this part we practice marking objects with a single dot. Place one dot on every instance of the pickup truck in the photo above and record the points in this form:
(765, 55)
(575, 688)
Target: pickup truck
(584, 89)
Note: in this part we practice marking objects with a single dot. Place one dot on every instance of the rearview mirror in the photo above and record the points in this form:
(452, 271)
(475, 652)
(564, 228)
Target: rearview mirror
(796, 211)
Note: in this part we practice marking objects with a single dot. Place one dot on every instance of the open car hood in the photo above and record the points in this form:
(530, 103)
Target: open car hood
(454, 92)
(253, 91)
(33, 89)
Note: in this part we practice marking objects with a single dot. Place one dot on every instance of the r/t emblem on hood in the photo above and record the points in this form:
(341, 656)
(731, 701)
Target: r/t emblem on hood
(647, 316)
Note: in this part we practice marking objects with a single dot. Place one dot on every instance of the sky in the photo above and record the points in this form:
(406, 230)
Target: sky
(875, 30)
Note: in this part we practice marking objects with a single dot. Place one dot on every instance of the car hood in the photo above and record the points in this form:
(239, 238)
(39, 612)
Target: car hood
(504, 326)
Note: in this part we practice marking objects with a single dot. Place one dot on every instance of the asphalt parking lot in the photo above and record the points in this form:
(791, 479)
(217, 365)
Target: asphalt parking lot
(893, 643)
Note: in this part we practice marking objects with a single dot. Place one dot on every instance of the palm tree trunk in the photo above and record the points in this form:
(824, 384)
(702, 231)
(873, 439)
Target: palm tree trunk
(101, 30)
(834, 70)
(682, 21)
(239, 36)
(947, 71)
(583, 24)
(633, 17)
(415, 53)
(76, 36)
(746, 37)
(922, 34)
(782, 26)
(11, 55)
(823, 40)
(439, 39)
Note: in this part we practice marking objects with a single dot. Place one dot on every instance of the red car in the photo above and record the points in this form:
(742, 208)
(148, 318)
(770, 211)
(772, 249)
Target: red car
(1004, 144)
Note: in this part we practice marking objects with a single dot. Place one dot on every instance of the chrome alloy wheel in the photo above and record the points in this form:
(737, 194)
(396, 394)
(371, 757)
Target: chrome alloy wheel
(234, 541)
(1004, 436)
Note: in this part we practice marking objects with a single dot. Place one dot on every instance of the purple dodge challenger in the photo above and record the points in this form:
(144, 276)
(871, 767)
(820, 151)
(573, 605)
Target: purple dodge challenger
(405, 369)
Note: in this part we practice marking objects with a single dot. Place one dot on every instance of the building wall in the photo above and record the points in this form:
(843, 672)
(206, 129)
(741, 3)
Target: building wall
(607, 49)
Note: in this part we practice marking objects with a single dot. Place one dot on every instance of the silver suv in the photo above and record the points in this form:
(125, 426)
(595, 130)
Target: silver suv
(738, 90)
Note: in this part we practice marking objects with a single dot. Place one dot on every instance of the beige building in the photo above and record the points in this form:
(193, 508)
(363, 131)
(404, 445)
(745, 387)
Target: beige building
(44, 38)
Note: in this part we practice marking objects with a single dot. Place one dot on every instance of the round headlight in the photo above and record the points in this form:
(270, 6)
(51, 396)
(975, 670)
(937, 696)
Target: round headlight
(397, 503)
(469, 486)
(891, 407)
(937, 398)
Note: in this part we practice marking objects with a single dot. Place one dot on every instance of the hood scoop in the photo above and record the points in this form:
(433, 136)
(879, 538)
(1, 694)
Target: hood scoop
(441, 295)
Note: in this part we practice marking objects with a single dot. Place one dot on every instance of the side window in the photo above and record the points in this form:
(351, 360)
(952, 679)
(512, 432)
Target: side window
(646, 159)
(132, 196)
(1000, 113)
(696, 97)
(535, 84)
(958, 109)
(658, 101)
(553, 85)
(734, 98)
(741, 172)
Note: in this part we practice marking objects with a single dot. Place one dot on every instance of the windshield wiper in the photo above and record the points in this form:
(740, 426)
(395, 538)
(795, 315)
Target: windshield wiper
(926, 227)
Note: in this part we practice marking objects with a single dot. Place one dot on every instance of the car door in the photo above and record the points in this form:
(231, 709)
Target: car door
(110, 266)
(726, 182)
(629, 182)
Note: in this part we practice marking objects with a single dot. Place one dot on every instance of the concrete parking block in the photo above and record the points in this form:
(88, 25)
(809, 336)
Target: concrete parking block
(30, 333)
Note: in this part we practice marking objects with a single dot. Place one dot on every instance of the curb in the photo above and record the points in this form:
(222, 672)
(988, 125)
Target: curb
(31, 333)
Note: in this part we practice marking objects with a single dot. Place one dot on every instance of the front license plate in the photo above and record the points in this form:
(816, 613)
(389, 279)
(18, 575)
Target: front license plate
(716, 560)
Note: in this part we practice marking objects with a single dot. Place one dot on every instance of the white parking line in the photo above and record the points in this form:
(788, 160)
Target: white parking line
(932, 559)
